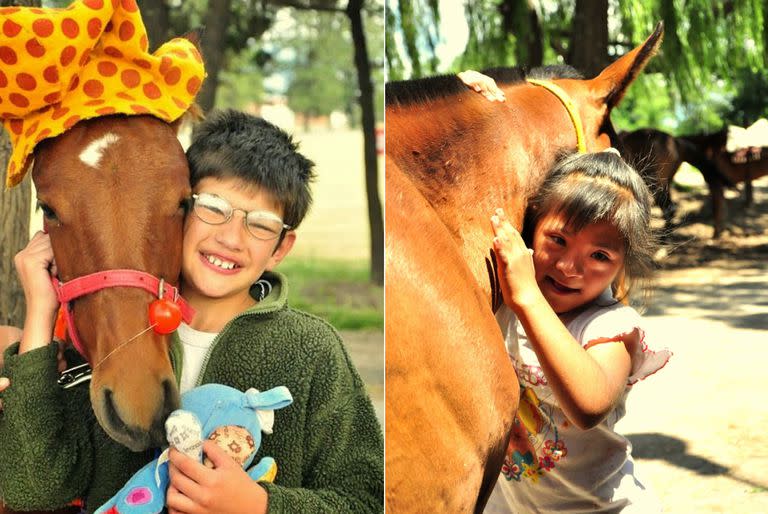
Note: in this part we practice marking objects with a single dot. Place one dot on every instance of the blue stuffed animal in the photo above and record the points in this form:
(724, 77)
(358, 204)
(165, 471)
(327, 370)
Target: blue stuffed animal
(211, 411)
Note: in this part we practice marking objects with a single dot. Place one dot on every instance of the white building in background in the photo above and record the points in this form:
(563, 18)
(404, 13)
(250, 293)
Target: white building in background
(275, 110)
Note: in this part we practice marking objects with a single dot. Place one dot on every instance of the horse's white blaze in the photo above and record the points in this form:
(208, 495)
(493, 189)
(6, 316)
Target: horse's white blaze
(92, 153)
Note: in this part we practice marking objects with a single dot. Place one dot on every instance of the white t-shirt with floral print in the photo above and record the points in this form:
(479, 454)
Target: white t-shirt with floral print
(552, 465)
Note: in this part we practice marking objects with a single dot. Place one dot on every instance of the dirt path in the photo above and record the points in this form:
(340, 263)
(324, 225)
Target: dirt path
(366, 348)
(699, 426)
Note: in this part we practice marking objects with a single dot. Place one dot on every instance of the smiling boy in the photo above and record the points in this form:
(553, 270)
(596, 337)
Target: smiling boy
(250, 191)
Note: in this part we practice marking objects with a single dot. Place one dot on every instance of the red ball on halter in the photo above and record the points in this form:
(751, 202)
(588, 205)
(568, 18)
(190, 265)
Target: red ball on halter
(164, 315)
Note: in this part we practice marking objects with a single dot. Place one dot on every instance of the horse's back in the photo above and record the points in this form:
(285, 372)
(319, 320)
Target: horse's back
(449, 375)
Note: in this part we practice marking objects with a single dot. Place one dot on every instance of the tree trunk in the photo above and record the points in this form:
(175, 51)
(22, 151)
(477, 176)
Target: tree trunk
(14, 235)
(363, 65)
(156, 20)
(520, 19)
(589, 37)
(216, 23)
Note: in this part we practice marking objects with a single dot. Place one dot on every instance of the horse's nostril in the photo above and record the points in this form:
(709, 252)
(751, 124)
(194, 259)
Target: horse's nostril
(171, 395)
(113, 417)
(169, 404)
(131, 435)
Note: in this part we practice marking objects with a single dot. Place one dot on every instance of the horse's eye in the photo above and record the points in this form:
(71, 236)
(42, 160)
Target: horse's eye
(47, 211)
(185, 205)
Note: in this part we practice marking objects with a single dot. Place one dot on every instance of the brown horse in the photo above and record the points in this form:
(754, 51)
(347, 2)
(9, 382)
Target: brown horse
(112, 191)
(752, 166)
(122, 211)
(452, 158)
(658, 155)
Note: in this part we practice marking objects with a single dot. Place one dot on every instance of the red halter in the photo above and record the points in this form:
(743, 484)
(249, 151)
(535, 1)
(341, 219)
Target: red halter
(88, 284)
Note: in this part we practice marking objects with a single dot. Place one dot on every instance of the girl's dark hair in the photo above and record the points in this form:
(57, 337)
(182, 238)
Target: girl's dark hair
(233, 144)
(593, 187)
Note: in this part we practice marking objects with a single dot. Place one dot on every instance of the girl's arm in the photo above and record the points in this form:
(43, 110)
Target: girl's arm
(586, 383)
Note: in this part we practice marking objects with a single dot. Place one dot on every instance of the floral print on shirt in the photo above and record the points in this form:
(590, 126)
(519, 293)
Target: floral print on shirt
(534, 445)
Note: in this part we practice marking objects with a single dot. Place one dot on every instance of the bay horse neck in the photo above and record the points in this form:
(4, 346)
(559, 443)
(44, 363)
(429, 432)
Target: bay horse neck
(117, 187)
(474, 156)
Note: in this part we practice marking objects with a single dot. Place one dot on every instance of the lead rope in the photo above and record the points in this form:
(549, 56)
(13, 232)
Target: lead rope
(121, 345)
(82, 373)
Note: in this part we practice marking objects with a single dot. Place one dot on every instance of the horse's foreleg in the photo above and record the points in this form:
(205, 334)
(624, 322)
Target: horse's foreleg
(718, 208)
(748, 189)
(664, 201)
(491, 475)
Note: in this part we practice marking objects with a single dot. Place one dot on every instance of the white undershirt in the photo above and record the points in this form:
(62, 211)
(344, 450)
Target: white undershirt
(195, 344)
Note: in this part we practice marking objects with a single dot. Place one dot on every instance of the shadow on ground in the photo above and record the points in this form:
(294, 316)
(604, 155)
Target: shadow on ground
(723, 279)
(738, 297)
(655, 446)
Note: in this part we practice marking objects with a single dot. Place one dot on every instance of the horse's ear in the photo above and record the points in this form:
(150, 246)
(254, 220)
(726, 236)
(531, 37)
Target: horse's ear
(195, 36)
(184, 125)
(194, 115)
(614, 80)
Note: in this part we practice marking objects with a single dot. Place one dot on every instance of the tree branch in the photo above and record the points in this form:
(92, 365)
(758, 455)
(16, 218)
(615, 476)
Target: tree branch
(306, 7)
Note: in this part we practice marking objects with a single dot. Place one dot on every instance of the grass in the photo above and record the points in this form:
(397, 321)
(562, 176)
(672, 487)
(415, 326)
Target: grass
(336, 290)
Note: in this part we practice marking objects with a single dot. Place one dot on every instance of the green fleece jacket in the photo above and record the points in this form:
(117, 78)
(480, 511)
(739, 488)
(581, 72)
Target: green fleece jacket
(328, 443)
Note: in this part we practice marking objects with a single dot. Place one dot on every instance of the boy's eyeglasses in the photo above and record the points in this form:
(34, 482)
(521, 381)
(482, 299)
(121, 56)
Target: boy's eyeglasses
(215, 210)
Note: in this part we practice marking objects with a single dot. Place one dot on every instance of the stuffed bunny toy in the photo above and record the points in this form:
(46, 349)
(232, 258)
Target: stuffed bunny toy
(230, 417)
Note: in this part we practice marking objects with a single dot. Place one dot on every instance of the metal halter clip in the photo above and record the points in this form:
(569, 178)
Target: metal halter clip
(75, 375)
(161, 289)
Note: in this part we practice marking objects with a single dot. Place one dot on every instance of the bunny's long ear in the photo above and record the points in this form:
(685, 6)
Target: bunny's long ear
(275, 398)
(266, 403)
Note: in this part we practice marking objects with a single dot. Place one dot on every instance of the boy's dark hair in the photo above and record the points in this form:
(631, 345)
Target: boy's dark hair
(593, 187)
(233, 144)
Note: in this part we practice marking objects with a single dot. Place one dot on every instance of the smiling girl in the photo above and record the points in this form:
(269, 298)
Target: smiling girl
(576, 347)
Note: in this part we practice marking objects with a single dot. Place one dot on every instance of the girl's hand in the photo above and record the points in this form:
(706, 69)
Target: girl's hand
(517, 275)
(483, 84)
(225, 489)
(35, 264)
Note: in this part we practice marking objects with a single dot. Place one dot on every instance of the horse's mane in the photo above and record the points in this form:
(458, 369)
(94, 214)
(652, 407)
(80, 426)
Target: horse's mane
(406, 92)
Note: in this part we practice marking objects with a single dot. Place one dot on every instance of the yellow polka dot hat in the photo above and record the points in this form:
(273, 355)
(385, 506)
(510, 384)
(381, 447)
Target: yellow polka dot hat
(60, 66)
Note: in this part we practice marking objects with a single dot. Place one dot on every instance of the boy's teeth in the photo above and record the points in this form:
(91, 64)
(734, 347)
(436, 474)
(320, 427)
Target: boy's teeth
(218, 262)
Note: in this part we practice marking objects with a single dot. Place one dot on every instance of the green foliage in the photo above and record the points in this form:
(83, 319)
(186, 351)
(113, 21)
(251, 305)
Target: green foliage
(248, 20)
(419, 21)
(241, 83)
(338, 291)
(394, 64)
(749, 102)
(710, 69)
(646, 104)
(316, 54)
(488, 45)
(323, 52)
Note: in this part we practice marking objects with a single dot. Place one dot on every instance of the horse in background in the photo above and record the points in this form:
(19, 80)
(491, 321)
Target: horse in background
(738, 167)
(658, 155)
(452, 157)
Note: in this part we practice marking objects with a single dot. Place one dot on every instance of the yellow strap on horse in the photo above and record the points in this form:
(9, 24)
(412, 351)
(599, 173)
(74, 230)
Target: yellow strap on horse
(573, 112)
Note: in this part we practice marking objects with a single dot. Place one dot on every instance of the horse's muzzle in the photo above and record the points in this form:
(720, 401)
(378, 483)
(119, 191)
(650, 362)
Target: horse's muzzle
(134, 437)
